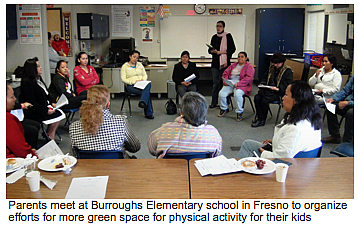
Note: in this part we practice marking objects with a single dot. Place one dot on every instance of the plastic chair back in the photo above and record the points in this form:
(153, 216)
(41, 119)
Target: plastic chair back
(105, 154)
(309, 154)
(188, 155)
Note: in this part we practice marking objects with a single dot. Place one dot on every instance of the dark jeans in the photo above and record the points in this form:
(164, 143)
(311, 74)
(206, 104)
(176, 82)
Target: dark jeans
(31, 130)
(262, 105)
(217, 85)
(182, 89)
(75, 102)
(144, 96)
(333, 124)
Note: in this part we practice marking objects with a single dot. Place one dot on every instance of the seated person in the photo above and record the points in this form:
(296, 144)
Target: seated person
(241, 74)
(16, 146)
(84, 75)
(131, 72)
(189, 132)
(181, 71)
(278, 77)
(35, 91)
(98, 129)
(53, 55)
(345, 106)
(327, 80)
(59, 44)
(61, 84)
(300, 129)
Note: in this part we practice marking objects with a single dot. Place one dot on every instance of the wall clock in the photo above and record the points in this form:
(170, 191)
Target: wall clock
(200, 8)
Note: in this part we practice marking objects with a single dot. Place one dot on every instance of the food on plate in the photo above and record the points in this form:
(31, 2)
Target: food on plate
(11, 161)
(67, 161)
(260, 164)
(250, 165)
(58, 166)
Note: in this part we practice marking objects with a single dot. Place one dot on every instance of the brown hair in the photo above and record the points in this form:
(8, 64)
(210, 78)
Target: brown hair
(91, 111)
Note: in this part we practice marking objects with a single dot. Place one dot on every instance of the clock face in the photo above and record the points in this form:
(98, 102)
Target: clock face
(199, 8)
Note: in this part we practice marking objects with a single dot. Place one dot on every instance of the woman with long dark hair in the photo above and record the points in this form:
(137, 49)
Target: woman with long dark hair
(300, 129)
(84, 75)
(35, 91)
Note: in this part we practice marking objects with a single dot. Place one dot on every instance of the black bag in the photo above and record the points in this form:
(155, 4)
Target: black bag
(171, 107)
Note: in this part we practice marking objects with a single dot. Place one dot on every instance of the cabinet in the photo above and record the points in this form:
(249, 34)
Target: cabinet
(11, 25)
(278, 30)
(92, 26)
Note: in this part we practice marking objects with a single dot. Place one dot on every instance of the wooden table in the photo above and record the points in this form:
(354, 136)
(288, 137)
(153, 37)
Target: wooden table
(320, 178)
(128, 179)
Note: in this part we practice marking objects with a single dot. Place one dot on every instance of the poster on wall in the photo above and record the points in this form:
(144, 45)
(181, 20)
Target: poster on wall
(147, 16)
(67, 31)
(30, 24)
(122, 18)
(147, 35)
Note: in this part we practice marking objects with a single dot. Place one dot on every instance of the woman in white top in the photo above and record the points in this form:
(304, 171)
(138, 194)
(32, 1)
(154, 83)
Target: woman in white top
(327, 80)
(300, 129)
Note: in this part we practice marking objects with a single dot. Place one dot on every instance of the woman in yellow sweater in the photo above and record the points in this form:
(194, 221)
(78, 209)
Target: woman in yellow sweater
(131, 72)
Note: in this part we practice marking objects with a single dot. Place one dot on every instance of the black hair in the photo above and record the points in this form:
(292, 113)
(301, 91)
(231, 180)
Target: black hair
(59, 64)
(49, 35)
(30, 69)
(134, 51)
(331, 59)
(306, 106)
(278, 58)
(185, 53)
(79, 57)
(222, 22)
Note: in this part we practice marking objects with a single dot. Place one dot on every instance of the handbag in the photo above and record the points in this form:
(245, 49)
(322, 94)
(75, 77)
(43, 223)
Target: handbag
(171, 107)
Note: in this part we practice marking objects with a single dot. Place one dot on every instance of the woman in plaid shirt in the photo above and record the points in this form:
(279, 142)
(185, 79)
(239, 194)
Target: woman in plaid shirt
(98, 129)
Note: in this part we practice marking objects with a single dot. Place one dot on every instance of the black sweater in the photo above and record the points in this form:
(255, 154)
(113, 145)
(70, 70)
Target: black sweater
(180, 73)
(215, 42)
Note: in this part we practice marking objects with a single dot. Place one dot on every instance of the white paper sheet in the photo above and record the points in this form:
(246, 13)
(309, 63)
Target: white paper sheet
(88, 188)
(19, 113)
(141, 84)
(229, 82)
(190, 78)
(217, 165)
(49, 150)
(330, 107)
(61, 102)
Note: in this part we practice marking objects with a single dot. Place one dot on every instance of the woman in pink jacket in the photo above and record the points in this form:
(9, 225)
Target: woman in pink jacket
(237, 79)
(84, 75)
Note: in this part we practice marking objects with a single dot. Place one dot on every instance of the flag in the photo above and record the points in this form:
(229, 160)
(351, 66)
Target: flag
(160, 11)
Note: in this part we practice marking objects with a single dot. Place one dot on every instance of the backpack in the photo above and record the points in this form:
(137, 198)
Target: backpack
(171, 107)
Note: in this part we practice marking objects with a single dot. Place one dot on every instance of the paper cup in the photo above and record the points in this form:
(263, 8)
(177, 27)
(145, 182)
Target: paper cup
(13, 77)
(33, 178)
(281, 172)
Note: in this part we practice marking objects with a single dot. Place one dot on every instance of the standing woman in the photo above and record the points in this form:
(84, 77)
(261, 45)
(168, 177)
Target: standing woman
(131, 72)
(60, 84)
(222, 48)
(84, 75)
(327, 80)
(181, 71)
(34, 91)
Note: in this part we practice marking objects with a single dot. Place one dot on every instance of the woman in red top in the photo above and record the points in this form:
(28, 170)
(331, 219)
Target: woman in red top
(16, 146)
(59, 44)
(84, 75)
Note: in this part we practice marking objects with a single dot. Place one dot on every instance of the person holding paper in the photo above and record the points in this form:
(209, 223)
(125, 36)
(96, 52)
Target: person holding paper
(345, 106)
(132, 72)
(189, 132)
(61, 85)
(98, 129)
(300, 129)
(327, 80)
(34, 90)
(16, 145)
(84, 75)
(241, 75)
(182, 71)
(278, 78)
(221, 48)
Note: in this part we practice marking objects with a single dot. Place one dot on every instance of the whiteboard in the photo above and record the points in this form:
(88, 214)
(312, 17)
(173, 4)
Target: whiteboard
(191, 33)
(337, 29)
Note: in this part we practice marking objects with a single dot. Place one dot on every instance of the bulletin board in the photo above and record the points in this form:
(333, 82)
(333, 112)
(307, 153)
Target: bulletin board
(191, 33)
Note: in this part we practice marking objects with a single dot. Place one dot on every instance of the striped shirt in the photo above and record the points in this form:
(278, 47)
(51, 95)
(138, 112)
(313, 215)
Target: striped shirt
(180, 137)
(113, 134)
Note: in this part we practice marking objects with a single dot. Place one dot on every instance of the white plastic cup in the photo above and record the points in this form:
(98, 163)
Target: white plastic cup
(13, 77)
(33, 178)
(281, 172)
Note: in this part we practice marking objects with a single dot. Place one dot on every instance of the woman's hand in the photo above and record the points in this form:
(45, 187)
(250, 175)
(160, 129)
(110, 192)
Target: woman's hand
(267, 141)
(185, 83)
(262, 150)
(27, 105)
(319, 91)
(214, 51)
(343, 104)
(330, 100)
(53, 105)
(274, 88)
(318, 72)
(50, 111)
